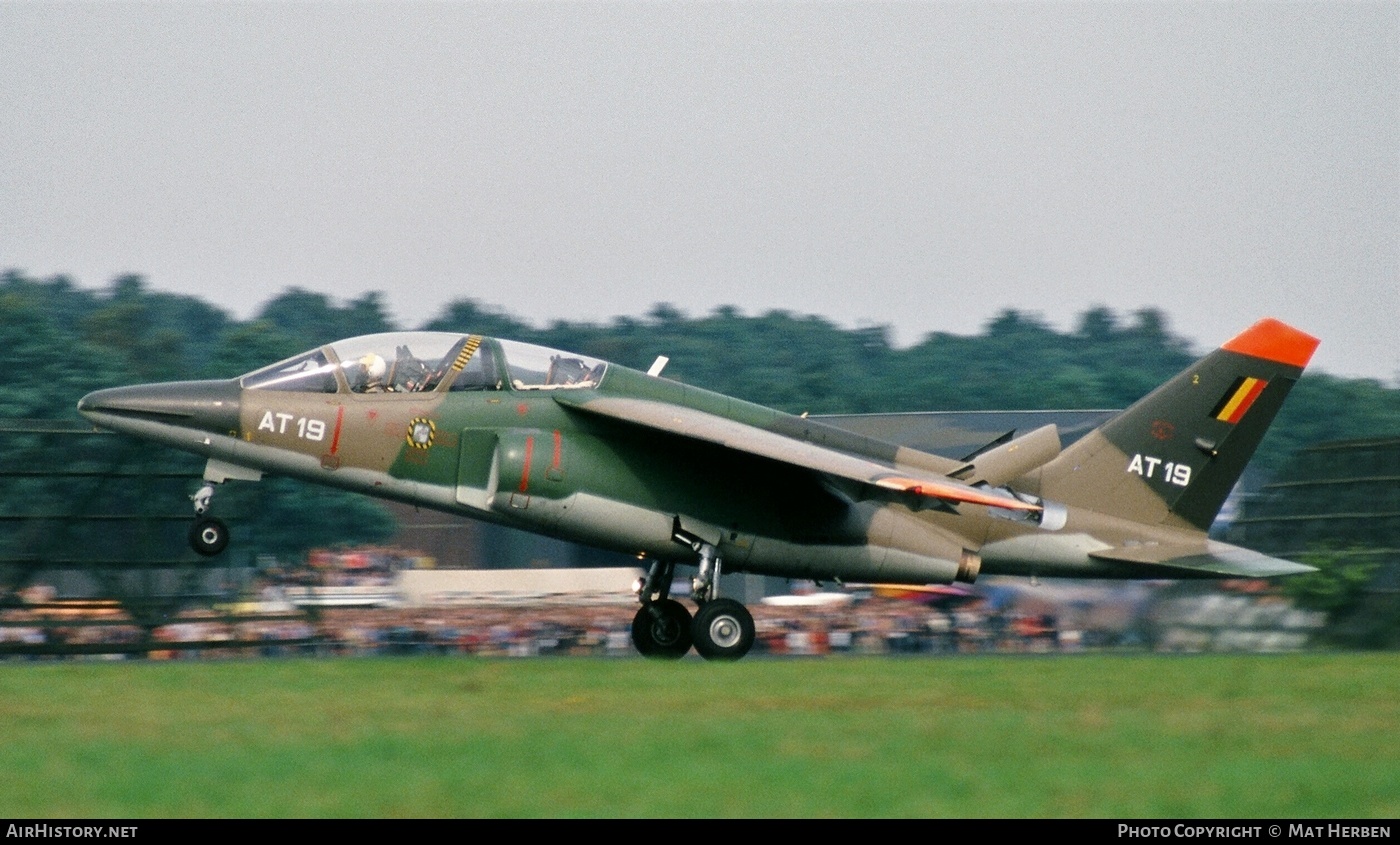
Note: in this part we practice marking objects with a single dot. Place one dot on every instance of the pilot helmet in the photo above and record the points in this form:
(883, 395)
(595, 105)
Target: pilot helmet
(375, 368)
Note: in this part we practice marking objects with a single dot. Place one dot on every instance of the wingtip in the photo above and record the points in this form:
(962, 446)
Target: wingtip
(1275, 340)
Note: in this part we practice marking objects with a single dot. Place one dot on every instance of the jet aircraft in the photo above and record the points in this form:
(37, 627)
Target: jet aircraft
(575, 447)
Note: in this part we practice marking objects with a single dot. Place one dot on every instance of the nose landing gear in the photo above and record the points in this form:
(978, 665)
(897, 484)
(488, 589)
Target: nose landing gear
(208, 535)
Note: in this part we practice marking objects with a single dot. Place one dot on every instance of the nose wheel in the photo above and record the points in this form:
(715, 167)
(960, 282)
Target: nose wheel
(208, 535)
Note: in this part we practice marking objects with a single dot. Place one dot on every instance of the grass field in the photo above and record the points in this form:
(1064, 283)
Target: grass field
(1083, 736)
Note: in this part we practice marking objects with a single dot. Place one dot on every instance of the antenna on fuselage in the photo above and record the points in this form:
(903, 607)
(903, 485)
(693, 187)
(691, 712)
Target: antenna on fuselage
(658, 365)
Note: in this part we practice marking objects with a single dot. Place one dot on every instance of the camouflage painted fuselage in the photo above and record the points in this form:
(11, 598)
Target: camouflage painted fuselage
(623, 459)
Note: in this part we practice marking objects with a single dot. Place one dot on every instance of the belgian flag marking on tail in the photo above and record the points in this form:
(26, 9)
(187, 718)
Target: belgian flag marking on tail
(1232, 406)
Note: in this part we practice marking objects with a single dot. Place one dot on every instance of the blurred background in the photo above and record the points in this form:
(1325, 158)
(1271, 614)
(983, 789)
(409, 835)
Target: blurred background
(829, 208)
(94, 558)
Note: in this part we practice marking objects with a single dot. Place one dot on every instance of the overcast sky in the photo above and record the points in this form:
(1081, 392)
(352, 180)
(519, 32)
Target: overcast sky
(919, 165)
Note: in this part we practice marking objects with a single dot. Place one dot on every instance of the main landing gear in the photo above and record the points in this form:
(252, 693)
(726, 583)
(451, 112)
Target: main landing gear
(722, 629)
(208, 534)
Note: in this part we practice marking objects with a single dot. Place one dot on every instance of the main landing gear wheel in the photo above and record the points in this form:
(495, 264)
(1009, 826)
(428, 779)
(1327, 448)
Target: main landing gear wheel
(723, 630)
(208, 536)
(661, 629)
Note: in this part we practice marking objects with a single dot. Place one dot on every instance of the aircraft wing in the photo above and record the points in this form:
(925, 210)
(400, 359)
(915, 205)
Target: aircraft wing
(956, 434)
(712, 428)
(1210, 559)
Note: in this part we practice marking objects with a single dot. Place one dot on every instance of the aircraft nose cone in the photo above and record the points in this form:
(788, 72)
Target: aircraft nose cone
(204, 405)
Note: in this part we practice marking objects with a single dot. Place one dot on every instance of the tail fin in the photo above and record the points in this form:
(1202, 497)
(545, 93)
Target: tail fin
(1178, 451)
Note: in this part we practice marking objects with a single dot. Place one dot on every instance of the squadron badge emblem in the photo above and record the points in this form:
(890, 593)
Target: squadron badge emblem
(420, 433)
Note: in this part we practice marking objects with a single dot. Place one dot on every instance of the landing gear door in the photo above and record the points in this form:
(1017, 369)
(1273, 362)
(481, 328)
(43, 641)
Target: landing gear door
(477, 469)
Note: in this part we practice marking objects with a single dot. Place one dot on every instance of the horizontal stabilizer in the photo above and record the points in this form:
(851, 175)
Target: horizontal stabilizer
(1210, 558)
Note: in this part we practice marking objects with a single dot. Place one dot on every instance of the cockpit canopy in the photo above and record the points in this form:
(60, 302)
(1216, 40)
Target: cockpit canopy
(418, 362)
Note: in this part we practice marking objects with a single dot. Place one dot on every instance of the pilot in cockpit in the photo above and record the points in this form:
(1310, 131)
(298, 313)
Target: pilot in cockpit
(371, 371)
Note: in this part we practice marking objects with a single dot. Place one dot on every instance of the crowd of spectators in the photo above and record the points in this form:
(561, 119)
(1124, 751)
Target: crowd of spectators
(865, 626)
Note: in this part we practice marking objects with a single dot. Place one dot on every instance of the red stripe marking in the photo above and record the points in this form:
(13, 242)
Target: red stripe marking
(335, 438)
(1248, 400)
(558, 449)
(529, 453)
